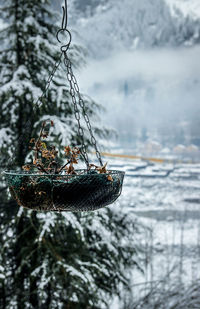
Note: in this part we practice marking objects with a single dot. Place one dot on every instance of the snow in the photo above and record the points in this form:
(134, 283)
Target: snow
(39, 41)
(144, 67)
(139, 23)
(20, 81)
(188, 8)
(20, 212)
(162, 204)
(156, 194)
(49, 220)
(73, 272)
(62, 125)
(2, 272)
(165, 150)
(169, 207)
(3, 24)
(5, 135)
(72, 220)
(10, 233)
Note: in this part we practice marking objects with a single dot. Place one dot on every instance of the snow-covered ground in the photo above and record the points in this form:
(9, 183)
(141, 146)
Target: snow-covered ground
(166, 198)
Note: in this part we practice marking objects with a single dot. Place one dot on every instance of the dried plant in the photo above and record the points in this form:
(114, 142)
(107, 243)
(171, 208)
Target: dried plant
(45, 158)
(101, 170)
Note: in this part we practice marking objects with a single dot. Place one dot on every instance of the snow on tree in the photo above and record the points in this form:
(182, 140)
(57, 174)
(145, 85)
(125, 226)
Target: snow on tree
(28, 56)
(50, 260)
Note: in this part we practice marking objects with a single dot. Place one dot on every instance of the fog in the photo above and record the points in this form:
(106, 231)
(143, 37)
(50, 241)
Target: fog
(157, 90)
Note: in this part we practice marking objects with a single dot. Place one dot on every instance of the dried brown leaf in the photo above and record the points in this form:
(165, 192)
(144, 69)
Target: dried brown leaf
(67, 150)
(102, 169)
(26, 168)
(110, 178)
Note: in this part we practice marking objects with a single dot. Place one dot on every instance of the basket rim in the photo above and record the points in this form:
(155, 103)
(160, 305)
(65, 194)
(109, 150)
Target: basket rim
(24, 173)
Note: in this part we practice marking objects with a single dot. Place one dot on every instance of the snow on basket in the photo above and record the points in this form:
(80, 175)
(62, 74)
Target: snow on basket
(85, 191)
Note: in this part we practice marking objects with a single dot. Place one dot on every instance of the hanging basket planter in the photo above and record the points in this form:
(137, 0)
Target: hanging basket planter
(85, 191)
(45, 185)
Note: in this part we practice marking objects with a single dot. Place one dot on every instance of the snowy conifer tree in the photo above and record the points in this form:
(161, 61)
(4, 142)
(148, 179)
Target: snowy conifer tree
(28, 56)
(49, 260)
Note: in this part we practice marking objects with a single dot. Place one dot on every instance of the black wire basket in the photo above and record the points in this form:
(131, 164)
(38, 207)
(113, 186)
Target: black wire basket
(85, 191)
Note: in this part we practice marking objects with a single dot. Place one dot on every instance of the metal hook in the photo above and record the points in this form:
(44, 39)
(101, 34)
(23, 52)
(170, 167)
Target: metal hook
(64, 47)
(64, 20)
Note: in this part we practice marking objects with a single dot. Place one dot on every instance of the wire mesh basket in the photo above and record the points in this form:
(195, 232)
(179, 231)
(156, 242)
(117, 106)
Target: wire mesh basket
(85, 191)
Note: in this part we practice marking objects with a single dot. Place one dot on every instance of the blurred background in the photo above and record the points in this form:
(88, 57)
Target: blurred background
(141, 64)
(142, 67)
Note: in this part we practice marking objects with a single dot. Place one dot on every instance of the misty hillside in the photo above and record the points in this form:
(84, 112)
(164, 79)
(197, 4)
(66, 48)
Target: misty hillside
(136, 24)
(145, 62)
(191, 8)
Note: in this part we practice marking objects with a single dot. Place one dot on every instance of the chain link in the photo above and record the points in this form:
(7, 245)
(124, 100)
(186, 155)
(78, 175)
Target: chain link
(75, 93)
(48, 83)
(38, 104)
(72, 91)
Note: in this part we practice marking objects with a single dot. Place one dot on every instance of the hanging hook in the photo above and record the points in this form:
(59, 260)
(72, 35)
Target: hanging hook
(63, 29)
(64, 47)
(64, 20)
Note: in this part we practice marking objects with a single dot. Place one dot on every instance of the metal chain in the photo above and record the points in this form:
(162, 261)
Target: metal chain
(38, 103)
(48, 82)
(74, 91)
